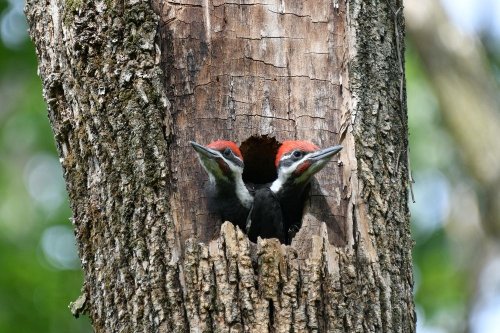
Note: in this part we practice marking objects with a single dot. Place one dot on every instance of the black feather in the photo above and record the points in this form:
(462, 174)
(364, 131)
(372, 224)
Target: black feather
(222, 201)
(265, 219)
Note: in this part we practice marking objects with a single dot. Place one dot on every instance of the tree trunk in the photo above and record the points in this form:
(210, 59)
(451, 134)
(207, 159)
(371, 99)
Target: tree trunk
(129, 83)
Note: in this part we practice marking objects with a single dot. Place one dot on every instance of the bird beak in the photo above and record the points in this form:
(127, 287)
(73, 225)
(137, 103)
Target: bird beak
(313, 163)
(204, 151)
(324, 154)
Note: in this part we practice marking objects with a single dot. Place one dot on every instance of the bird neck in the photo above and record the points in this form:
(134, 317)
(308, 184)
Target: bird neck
(286, 188)
(232, 187)
(242, 192)
(291, 196)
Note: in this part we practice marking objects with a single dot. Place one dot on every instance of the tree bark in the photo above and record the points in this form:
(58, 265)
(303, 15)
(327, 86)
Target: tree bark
(129, 83)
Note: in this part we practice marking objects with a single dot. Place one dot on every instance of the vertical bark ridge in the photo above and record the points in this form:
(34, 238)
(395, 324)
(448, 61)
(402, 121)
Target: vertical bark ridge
(380, 131)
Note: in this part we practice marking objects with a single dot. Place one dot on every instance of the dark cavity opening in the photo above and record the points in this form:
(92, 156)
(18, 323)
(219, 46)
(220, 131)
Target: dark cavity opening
(259, 153)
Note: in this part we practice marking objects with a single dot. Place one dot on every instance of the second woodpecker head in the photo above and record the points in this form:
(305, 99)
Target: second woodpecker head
(221, 159)
(298, 161)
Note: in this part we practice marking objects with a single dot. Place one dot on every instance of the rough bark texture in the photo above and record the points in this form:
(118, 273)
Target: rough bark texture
(129, 83)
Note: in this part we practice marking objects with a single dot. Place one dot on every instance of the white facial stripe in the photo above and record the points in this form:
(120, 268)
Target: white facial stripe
(284, 174)
(234, 168)
(241, 191)
(286, 156)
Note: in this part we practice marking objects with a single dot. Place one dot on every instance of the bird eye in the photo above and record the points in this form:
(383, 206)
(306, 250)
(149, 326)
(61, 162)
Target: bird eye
(297, 154)
(227, 152)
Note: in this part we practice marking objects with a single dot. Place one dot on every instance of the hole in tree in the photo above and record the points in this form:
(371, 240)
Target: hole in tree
(259, 153)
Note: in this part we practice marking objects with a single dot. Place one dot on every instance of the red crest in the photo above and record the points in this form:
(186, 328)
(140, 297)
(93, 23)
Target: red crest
(220, 145)
(290, 145)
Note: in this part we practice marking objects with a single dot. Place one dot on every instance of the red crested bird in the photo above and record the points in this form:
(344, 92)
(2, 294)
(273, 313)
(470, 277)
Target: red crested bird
(228, 196)
(277, 210)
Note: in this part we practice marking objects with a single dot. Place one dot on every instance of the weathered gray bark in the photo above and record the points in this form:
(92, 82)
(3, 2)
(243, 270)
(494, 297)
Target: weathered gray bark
(129, 83)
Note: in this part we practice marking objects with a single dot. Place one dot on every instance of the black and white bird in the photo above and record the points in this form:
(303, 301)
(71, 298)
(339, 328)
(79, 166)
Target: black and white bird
(228, 196)
(277, 209)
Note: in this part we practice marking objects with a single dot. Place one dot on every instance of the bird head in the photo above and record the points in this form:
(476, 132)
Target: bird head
(221, 159)
(298, 161)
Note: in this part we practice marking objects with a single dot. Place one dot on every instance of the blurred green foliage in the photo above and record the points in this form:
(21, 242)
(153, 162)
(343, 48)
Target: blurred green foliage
(441, 286)
(36, 286)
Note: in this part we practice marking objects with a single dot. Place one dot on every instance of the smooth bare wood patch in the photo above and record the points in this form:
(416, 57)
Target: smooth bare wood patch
(256, 68)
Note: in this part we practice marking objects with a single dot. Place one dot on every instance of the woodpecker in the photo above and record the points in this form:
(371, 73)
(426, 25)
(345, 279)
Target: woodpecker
(277, 210)
(228, 196)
